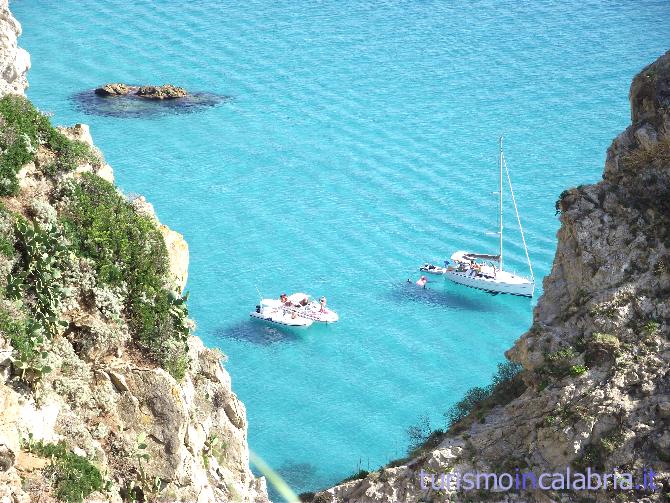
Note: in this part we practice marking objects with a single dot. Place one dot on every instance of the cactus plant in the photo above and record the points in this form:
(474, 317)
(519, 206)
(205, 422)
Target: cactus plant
(39, 275)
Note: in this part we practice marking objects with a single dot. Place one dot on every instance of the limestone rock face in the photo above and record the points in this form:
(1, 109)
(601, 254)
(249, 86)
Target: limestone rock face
(14, 61)
(177, 248)
(606, 305)
(104, 410)
(82, 132)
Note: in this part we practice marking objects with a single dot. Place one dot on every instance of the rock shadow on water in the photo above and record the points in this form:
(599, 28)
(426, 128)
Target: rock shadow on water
(135, 107)
(259, 333)
(439, 296)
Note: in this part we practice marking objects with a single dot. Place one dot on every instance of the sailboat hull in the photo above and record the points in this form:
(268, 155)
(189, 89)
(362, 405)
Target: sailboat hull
(504, 282)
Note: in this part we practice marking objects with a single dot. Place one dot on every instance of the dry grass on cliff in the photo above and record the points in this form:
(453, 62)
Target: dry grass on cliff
(657, 154)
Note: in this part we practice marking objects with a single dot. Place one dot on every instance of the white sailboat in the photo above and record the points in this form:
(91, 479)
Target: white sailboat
(479, 270)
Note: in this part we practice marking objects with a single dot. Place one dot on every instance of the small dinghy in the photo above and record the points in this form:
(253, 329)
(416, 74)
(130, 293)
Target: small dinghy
(275, 312)
(312, 309)
(432, 269)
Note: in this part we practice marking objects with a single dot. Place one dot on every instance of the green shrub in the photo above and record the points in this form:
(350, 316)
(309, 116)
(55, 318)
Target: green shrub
(74, 477)
(605, 340)
(595, 455)
(103, 226)
(600, 348)
(23, 129)
(505, 373)
(6, 247)
(651, 328)
(467, 404)
(128, 249)
(559, 363)
(592, 457)
(70, 153)
(476, 398)
(577, 370)
(560, 204)
(361, 474)
(20, 114)
(419, 433)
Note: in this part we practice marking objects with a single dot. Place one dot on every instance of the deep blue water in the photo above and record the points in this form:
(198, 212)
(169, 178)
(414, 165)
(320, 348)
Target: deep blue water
(359, 140)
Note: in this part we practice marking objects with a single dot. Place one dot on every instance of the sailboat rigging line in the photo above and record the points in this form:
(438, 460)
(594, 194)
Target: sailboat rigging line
(500, 195)
(518, 219)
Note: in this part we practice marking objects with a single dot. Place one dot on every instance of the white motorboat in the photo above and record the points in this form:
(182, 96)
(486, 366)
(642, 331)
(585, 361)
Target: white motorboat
(479, 270)
(433, 269)
(275, 312)
(312, 309)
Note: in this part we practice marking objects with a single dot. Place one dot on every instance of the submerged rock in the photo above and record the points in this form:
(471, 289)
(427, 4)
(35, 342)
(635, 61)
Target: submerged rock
(124, 101)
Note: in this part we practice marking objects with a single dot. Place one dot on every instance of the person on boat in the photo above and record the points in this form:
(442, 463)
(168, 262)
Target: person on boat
(304, 302)
(422, 282)
(322, 301)
(284, 299)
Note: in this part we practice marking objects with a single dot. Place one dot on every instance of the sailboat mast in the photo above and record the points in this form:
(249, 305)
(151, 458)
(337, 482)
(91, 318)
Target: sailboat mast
(500, 198)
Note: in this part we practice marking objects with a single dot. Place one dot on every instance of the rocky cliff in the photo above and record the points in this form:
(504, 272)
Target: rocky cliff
(14, 61)
(594, 390)
(104, 393)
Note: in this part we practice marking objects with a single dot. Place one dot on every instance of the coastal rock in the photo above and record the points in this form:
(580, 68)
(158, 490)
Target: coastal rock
(605, 314)
(113, 90)
(144, 207)
(178, 256)
(14, 61)
(82, 132)
(9, 437)
(164, 92)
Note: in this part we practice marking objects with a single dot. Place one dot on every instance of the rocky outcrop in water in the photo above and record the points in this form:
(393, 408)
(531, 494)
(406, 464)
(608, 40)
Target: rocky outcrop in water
(87, 410)
(164, 92)
(595, 362)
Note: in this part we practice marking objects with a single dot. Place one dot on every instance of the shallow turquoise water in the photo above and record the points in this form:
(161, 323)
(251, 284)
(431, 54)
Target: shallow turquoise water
(360, 141)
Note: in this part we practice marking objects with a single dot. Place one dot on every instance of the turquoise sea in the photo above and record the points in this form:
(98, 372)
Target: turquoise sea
(359, 140)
